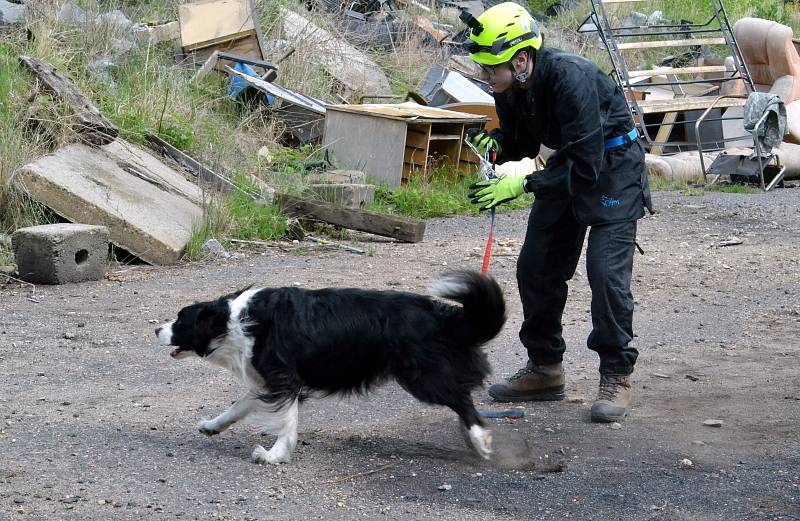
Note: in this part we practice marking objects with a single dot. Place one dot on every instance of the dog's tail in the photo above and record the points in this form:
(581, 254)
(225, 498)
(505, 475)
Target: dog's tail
(482, 298)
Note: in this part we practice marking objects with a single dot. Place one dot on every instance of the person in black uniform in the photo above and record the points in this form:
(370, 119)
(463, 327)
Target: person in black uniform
(595, 180)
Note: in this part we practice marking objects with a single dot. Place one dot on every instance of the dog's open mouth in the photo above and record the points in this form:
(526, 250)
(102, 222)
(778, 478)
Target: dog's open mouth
(175, 352)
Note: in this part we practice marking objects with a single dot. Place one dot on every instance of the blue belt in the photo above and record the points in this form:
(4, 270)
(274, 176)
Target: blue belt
(618, 141)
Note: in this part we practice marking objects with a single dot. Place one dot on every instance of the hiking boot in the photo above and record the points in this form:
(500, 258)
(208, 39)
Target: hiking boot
(531, 383)
(613, 399)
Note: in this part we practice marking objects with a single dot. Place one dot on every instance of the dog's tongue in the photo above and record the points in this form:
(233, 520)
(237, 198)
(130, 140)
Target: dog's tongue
(175, 352)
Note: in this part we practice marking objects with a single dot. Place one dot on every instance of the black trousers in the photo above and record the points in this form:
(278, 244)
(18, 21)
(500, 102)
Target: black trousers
(548, 259)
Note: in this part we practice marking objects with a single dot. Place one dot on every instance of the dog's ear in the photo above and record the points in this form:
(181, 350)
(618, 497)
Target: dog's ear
(213, 317)
(237, 293)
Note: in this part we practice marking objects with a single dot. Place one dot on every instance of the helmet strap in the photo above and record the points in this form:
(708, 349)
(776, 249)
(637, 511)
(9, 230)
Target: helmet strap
(521, 78)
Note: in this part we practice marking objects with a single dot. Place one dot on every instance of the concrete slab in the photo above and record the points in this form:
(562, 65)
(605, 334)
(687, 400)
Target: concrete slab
(149, 208)
(61, 253)
(348, 195)
(354, 69)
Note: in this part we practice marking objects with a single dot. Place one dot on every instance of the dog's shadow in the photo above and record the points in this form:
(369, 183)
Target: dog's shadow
(510, 449)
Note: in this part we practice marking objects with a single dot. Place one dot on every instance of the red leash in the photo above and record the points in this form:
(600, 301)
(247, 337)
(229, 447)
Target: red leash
(487, 254)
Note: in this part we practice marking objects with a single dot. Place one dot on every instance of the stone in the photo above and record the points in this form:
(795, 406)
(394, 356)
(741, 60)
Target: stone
(713, 423)
(61, 253)
(149, 208)
(11, 13)
(214, 248)
(353, 196)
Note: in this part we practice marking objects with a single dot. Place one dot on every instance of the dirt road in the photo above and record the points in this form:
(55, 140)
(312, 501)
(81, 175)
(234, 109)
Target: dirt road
(97, 422)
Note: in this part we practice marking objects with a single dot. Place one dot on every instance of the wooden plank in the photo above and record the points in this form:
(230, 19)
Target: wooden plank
(190, 164)
(690, 42)
(664, 131)
(211, 63)
(88, 122)
(686, 104)
(373, 145)
(445, 137)
(663, 71)
(246, 47)
(410, 110)
(209, 22)
(400, 228)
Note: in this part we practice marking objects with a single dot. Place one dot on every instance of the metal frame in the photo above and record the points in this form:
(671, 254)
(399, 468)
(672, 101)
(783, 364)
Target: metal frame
(756, 145)
(609, 36)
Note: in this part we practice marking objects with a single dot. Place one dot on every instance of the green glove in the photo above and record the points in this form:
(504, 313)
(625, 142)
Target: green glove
(489, 194)
(482, 141)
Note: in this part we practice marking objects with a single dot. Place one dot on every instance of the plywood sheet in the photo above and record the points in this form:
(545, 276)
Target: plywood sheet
(208, 22)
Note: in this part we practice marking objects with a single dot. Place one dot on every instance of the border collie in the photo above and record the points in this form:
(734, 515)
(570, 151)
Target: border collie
(283, 344)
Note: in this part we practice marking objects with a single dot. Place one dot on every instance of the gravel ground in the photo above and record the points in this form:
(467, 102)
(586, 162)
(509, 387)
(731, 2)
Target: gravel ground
(97, 422)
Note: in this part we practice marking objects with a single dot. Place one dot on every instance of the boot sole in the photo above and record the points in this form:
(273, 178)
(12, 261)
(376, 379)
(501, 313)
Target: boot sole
(545, 396)
(607, 418)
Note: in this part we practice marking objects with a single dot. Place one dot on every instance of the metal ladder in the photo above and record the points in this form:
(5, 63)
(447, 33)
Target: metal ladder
(688, 98)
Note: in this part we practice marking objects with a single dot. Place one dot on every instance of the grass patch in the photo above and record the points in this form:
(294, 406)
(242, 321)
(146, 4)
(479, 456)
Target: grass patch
(236, 216)
(738, 189)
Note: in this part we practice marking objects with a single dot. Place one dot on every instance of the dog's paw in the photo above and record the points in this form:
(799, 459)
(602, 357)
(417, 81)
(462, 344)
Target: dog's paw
(263, 456)
(207, 427)
(480, 439)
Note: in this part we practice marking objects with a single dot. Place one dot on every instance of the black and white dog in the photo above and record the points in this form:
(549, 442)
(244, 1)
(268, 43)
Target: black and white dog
(285, 343)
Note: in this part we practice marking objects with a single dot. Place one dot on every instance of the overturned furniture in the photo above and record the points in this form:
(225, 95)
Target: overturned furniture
(701, 96)
(392, 143)
(680, 92)
(303, 115)
(212, 29)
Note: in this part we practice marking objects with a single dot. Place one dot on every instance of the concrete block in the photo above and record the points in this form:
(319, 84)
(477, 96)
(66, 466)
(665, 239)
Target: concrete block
(60, 253)
(352, 196)
(337, 176)
(148, 207)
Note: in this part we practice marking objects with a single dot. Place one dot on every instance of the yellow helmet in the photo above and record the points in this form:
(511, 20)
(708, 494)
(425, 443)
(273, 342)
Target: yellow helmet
(497, 34)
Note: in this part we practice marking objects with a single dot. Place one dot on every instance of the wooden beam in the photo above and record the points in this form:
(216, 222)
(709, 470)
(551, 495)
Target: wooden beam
(212, 60)
(88, 122)
(193, 166)
(663, 71)
(664, 131)
(654, 44)
(685, 104)
(400, 228)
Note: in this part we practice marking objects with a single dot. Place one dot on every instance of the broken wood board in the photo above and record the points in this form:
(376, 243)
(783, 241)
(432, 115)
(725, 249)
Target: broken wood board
(410, 110)
(227, 26)
(149, 208)
(213, 63)
(88, 122)
(207, 177)
(400, 228)
(210, 22)
(303, 115)
(351, 67)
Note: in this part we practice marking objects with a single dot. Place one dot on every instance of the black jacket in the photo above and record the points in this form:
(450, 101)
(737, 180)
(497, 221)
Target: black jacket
(573, 108)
